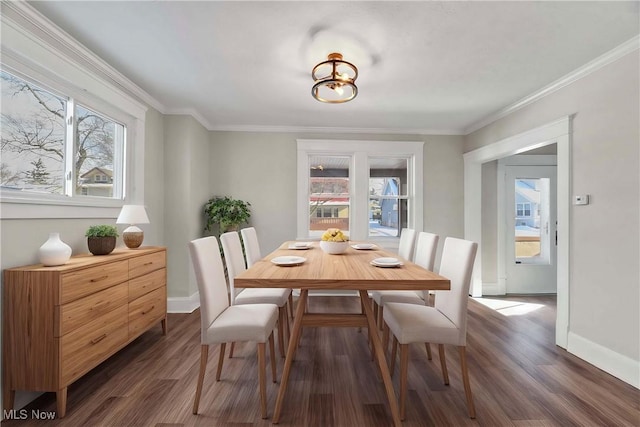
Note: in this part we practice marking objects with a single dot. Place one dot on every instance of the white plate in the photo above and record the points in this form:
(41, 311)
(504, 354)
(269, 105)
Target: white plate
(386, 262)
(364, 246)
(300, 245)
(288, 260)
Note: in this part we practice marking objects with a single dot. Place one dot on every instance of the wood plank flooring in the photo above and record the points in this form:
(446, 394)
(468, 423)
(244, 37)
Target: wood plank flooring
(518, 377)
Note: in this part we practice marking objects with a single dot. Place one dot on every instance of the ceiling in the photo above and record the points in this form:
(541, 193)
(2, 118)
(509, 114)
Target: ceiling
(424, 67)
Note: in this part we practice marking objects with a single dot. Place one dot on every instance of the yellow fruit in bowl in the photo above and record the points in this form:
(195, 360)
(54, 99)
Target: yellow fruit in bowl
(334, 235)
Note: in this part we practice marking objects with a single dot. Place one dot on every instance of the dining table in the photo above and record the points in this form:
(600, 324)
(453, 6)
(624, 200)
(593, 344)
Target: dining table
(305, 266)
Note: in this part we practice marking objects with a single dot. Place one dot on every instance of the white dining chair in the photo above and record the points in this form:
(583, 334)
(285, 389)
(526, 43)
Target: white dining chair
(407, 243)
(425, 256)
(252, 254)
(445, 323)
(234, 260)
(222, 323)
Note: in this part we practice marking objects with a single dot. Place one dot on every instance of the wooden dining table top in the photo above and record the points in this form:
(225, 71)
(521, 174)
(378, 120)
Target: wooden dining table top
(349, 270)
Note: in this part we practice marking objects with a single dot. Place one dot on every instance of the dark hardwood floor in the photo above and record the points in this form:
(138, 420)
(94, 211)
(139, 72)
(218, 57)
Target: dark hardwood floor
(518, 377)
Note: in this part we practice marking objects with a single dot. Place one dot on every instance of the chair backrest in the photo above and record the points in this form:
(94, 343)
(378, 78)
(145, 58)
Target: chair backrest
(456, 265)
(407, 242)
(212, 287)
(251, 245)
(426, 247)
(234, 260)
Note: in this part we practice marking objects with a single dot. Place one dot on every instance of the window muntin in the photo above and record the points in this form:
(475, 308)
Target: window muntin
(50, 143)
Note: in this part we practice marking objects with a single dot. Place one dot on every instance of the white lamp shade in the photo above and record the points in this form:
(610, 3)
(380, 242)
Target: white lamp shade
(133, 214)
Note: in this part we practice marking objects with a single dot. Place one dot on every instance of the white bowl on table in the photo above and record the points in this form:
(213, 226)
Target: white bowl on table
(333, 248)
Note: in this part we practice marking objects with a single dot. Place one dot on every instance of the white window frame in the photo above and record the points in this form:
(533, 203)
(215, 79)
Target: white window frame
(38, 51)
(359, 153)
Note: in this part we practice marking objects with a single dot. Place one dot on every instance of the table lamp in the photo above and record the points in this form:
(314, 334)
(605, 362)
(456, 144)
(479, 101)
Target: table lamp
(132, 214)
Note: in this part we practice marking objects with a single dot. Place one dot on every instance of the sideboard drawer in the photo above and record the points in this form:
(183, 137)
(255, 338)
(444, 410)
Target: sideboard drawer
(81, 311)
(79, 283)
(145, 264)
(145, 284)
(86, 347)
(146, 310)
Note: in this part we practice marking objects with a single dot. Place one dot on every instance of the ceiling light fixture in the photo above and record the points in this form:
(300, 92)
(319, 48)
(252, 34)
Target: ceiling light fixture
(334, 80)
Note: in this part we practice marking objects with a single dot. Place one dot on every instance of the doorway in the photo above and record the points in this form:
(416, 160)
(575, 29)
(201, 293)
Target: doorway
(530, 229)
(558, 132)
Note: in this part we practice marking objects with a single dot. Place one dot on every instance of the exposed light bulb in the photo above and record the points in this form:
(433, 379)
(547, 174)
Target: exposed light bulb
(339, 90)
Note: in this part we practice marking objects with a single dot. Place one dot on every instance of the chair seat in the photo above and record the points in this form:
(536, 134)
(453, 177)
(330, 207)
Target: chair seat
(253, 322)
(419, 323)
(277, 296)
(382, 298)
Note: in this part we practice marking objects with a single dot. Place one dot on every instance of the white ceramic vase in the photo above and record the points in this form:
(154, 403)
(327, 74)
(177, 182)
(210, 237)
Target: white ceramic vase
(54, 251)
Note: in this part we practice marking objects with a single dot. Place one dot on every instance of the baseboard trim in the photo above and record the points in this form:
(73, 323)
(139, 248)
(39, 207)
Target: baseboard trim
(616, 364)
(491, 288)
(183, 304)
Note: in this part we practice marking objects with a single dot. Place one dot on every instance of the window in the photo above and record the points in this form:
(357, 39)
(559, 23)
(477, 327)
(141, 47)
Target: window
(366, 188)
(52, 144)
(523, 209)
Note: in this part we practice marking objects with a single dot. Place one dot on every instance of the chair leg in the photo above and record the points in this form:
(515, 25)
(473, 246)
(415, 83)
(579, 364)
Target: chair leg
(443, 364)
(233, 346)
(281, 315)
(385, 337)
(465, 380)
(428, 347)
(272, 353)
(394, 350)
(404, 363)
(220, 360)
(262, 374)
(204, 354)
(291, 304)
(380, 316)
(375, 313)
(287, 335)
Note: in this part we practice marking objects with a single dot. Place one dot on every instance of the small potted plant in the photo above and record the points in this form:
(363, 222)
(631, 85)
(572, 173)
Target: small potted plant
(226, 213)
(101, 239)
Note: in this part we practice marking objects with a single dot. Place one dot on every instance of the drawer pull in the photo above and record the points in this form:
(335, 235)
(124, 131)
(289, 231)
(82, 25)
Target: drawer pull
(149, 311)
(148, 263)
(97, 340)
(98, 279)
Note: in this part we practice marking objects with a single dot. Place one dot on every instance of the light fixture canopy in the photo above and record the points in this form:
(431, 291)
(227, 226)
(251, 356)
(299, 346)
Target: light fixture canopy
(334, 80)
(132, 214)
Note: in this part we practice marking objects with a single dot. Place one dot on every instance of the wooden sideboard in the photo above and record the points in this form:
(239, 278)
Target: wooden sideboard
(61, 322)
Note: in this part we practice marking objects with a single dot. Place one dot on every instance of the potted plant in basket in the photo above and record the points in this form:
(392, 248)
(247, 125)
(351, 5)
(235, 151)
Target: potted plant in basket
(101, 239)
(226, 213)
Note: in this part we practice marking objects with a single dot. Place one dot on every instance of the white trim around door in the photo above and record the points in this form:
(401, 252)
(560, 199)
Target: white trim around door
(558, 132)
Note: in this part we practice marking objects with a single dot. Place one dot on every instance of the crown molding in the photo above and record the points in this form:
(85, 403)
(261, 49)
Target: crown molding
(189, 112)
(323, 130)
(39, 28)
(579, 73)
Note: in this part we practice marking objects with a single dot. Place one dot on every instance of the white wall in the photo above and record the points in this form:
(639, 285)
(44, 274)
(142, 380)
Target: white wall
(604, 290)
(186, 189)
(261, 168)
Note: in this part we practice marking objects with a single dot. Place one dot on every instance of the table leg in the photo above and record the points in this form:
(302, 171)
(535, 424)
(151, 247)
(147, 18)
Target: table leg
(293, 344)
(382, 363)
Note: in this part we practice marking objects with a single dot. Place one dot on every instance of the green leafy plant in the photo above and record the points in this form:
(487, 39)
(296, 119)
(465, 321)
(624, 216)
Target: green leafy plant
(102, 231)
(226, 213)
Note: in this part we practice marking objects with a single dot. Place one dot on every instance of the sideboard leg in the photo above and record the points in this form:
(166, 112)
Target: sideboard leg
(163, 322)
(61, 402)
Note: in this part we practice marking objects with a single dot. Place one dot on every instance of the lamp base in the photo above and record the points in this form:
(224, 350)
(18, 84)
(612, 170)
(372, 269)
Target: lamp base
(132, 237)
